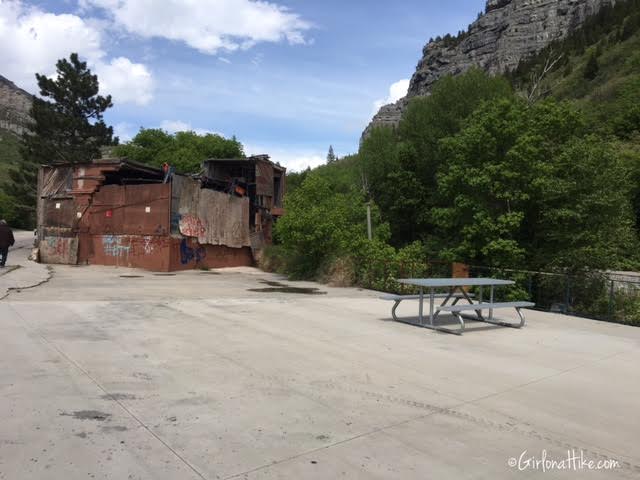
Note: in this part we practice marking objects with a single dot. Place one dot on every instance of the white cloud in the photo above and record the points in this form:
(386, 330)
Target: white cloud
(397, 90)
(127, 82)
(207, 25)
(32, 40)
(125, 131)
(173, 126)
(294, 159)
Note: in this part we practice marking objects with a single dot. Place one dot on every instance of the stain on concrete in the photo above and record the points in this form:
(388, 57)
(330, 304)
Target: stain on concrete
(88, 415)
(81, 434)
(143, 376)
(118, 396)
(131, 276)
(323, 437)
(199, 400)
(115, 428)
(277, 287)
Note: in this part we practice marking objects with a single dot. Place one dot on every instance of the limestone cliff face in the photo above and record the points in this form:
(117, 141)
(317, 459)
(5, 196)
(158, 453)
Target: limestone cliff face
(509, 31)
(15, 104)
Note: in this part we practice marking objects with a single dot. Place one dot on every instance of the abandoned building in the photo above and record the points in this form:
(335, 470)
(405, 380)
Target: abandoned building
(121, 213)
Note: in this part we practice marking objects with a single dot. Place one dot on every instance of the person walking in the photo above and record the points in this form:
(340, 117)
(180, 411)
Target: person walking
(6, 241)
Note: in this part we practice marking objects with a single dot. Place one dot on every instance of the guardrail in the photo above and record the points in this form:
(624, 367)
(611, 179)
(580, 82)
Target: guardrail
(593, 295)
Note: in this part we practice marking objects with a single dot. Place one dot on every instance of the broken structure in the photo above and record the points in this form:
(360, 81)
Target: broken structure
(122, 213)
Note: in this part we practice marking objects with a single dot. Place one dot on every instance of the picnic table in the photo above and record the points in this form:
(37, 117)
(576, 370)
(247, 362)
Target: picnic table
(456, 290)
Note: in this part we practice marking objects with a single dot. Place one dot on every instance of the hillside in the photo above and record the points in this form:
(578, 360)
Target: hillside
(598, 67)
(508, 32)
(15, 104)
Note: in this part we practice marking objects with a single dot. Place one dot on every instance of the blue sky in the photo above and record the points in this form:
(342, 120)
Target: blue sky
(287, 77)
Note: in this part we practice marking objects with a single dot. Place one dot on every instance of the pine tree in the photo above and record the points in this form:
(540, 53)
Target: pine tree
(68, 129)
(331, 156)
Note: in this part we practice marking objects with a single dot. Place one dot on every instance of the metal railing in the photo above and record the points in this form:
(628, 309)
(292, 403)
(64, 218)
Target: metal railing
(593, 295)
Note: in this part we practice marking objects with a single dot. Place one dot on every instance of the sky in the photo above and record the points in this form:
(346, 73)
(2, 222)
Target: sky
(287, 77)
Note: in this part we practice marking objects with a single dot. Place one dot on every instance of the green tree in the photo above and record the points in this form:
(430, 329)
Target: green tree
(331, 156)
(322, 224)
(67, 126)
(525, 187)
(401, 166)
(184, 150)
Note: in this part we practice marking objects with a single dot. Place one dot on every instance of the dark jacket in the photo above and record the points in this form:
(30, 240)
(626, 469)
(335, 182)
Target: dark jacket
(6, 237)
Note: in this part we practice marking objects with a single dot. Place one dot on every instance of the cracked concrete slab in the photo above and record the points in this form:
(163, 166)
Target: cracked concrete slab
(197, 376)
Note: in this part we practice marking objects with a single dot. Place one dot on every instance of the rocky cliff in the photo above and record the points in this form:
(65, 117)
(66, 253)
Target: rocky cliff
(15, 104)
(508, 31)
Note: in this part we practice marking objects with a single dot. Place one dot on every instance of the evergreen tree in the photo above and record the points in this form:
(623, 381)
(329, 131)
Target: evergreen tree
(331, 156)
(67, 127)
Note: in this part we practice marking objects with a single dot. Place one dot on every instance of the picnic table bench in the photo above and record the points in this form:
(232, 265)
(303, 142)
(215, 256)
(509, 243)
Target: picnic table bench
(457, 310)
(399, 298)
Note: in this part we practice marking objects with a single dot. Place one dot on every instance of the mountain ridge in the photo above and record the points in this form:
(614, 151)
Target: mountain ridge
(15, 104)
(508, 32)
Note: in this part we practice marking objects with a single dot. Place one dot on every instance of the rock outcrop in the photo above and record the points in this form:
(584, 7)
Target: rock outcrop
(15, 105)
(508, 31)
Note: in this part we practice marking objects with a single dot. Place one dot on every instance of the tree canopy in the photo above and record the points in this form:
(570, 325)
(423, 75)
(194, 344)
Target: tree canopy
(184, 150)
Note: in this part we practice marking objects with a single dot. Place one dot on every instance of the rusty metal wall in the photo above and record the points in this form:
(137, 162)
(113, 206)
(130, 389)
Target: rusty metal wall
(58, 212)
(163, 254)
(56, 181)
(131, 210)
(150, 252)
(214, 218)
(59, 250)
(264, 178)
(187, 253)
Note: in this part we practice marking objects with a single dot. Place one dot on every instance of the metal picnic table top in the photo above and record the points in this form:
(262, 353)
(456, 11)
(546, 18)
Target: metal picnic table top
(454, 282)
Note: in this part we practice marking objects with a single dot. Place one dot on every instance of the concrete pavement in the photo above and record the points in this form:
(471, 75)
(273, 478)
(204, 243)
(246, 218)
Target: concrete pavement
(19, 272)
(117, 373)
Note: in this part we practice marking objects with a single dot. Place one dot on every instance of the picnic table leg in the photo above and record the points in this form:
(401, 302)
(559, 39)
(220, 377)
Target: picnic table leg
(491, 301)
(432, 299)
(478, 312)
(452, 291)
(420, 317)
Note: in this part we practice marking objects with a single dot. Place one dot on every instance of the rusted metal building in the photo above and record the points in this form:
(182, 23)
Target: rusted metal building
(118, 212)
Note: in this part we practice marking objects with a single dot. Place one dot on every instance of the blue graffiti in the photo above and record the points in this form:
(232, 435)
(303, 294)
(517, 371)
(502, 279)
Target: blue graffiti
(188, 254)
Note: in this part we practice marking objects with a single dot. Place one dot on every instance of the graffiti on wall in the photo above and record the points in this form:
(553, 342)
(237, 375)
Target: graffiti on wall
(188, 254)
(192, 226)
(113, 246)
(62, 250)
